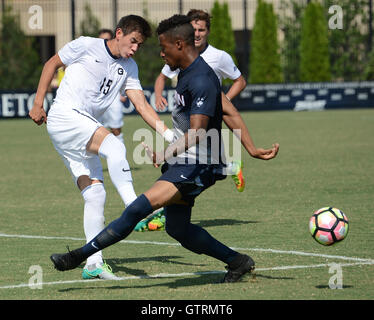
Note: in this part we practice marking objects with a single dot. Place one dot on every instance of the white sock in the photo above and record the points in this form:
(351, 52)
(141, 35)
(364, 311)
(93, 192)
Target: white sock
(114, 152)
(230, 169)
(127, 193)
(93, 219)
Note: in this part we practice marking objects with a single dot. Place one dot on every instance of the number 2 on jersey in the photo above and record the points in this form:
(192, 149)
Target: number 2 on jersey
(106, 85)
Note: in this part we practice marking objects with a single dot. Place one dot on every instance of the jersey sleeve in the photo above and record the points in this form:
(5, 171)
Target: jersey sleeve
(166, 71)
(204, 96)
(132, 80)
(227, 67)
(72, 51)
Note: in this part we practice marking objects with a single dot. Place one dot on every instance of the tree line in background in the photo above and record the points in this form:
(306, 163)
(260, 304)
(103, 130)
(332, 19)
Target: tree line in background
(309, 51)
(20, 65)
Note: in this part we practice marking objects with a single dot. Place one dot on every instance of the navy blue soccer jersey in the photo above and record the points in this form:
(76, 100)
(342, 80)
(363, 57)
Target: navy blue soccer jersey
(199, 92)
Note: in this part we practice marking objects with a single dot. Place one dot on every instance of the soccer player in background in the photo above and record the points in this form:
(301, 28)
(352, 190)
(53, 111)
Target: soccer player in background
(184, 173)
(96, 69)
(112, 118)
(219, 60)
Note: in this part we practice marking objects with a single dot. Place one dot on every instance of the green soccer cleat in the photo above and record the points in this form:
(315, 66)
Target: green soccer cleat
(143, 225)
(99, 270)
(237, 175)
(157, 223)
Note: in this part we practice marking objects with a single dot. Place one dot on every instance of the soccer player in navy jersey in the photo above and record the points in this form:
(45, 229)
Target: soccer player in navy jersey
(191, 164)
(224, 67)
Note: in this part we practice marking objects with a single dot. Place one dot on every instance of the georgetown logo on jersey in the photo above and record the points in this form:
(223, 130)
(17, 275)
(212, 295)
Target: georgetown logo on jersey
(120, 71)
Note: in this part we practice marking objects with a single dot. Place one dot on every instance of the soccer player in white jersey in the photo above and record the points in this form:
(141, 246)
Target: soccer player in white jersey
(219, 60)
(112, 118)
(96, 69)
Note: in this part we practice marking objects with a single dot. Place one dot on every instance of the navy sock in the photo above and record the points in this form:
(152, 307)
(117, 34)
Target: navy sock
(119, 228)
(193, 237)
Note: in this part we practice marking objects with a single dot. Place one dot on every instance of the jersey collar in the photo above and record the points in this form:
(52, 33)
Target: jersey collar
(182, 72)
(206, 47)
(107, 50)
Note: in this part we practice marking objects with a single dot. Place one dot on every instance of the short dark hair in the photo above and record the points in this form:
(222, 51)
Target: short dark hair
(101, 31)
(196, 14)
(132, 23)
(178, 26)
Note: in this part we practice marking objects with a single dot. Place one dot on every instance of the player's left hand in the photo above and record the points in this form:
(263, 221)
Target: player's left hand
(161, 103)
(156, 157)
(267, 154)
(38, 115)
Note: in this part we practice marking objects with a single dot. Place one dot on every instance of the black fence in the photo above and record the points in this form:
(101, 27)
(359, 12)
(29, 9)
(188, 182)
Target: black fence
(296, 97)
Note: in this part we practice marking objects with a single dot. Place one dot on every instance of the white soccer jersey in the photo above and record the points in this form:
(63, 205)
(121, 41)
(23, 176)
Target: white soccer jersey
(93, 76)
(219, 60)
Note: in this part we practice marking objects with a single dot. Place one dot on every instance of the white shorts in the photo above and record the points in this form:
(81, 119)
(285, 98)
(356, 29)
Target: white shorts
(70, 130)
(113, 116)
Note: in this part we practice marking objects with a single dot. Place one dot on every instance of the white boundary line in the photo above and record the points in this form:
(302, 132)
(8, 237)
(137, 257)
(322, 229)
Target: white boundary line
(300, 253)
(359, 261)
(177, 275)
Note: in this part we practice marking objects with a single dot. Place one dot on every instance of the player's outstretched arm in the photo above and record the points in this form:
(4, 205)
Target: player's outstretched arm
(233, 120)
(197, 132)
(160, 102)
(148, 114)
(37, 113)
(238, 85)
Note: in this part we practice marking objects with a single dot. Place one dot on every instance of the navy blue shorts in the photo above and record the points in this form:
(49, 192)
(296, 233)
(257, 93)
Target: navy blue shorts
(191, 179)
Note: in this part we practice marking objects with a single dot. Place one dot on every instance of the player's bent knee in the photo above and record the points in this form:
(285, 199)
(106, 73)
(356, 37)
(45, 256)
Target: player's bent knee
(84, 181)
(94, 194)
(113, 150)
(177, 232)
(116, 131)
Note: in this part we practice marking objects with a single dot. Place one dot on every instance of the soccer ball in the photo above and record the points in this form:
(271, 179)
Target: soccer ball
(328, 225)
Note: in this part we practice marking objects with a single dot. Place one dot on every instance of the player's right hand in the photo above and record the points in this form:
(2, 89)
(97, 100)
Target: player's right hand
(161, 103)
(267, 154)
(38, 115)
(157, 158)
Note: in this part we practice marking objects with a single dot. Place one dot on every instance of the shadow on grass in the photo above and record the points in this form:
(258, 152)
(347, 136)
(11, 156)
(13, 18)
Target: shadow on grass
(272, 277)
(222, 222)
(321, 286)
(122, 264)
(199, 280)
(213, 278)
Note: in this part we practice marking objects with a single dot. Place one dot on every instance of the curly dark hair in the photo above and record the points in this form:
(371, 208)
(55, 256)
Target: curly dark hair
(178, 27)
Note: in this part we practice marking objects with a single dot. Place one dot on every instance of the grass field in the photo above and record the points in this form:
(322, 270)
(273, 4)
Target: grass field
(325, 159)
